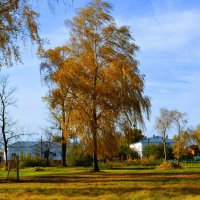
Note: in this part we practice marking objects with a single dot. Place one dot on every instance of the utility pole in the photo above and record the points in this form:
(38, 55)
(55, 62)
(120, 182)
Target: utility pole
(41, 148)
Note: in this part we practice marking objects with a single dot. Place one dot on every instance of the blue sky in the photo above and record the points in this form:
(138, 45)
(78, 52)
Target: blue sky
(168, 33)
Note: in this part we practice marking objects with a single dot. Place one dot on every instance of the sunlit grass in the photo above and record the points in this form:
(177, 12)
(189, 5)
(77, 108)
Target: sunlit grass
(130, 183)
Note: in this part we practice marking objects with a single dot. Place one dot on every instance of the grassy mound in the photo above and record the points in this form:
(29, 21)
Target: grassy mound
(168, 165)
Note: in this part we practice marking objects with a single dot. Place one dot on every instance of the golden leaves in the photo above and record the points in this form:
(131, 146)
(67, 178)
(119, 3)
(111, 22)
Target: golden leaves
(100, 69)
(18, 22)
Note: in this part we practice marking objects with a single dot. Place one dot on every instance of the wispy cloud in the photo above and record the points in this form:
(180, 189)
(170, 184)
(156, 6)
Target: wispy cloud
(165, 5)
(166, 32)
(170, 57)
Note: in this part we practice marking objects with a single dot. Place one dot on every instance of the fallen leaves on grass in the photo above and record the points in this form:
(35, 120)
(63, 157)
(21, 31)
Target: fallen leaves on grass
(168, 165)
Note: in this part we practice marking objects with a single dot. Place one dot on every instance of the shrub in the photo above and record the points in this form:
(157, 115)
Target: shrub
(29, 161)
(150, 161)
(144, 161)
(125, 152)
(76, 158)
(158, 152)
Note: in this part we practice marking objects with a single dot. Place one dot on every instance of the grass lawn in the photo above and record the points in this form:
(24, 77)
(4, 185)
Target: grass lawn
(131, 183)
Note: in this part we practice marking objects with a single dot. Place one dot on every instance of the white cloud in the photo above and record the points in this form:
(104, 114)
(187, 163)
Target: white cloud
(170, 58)
(165, 5)
(171, 32)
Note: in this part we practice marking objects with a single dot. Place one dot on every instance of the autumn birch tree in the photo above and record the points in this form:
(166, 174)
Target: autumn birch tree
(101, 71)
(179, 120)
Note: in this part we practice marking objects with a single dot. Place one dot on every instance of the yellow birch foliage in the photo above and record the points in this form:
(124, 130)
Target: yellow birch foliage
(196, 135)
(98, 65)
(18, 21)
(179, 149)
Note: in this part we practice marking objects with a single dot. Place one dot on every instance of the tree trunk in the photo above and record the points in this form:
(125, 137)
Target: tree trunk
(6, 155)
(47, 156)
(64, 148)
(64, 135)
(178, 157)
(94, 124)
(3, 130)
(179, 138)
(95, 159)
(165, 150)
(94, 127)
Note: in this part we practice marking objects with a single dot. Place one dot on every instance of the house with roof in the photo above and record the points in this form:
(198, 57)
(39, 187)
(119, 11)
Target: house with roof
(155, 140)
(42, 148)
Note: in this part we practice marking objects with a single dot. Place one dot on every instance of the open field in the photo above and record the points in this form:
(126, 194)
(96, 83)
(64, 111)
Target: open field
(119, 184)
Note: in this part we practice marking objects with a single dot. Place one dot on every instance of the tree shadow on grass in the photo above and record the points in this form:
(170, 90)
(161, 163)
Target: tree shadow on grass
(132, 168)
(90, 178)
(99, 191)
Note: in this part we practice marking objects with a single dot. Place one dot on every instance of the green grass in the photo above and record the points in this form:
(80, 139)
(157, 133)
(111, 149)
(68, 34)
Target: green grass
(130, 183)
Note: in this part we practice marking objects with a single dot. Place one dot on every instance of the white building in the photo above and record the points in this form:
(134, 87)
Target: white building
(155, 140)
(53, 149)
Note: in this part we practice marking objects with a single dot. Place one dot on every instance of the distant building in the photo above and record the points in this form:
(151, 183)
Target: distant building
(155, 140)
(53, 149)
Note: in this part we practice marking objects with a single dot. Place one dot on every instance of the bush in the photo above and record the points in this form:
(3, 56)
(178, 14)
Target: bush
(145, 161)
(158, 152)
(56, 163)
(125, 152)
(111, 164)
(29, 161)
(150, 161)
(75, 158)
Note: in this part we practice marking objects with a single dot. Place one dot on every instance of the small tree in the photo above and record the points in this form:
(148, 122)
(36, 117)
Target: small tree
(6, 122)
(195, 135)
(60, 109)
(180, 121)
(163, 125)
(179, 149)
(46, 145)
